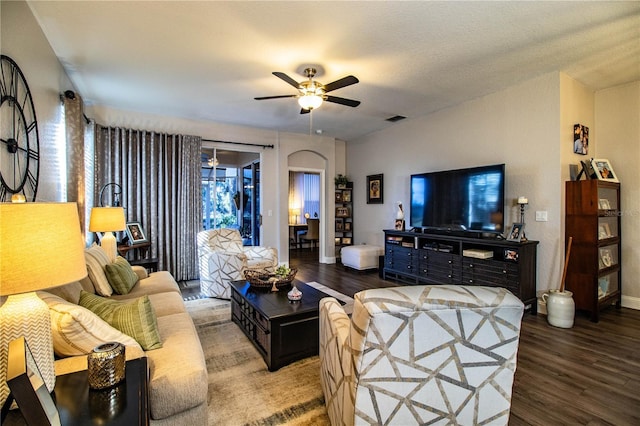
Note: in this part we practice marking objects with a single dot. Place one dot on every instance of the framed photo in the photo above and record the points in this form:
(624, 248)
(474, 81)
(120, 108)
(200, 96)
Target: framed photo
(346, 196)
(603, 204)
(603, 170)
(27, 386)
(375, 189)
(135, 233)
(347, 226)
(339, 224)
(399, 225)
(580, 139)
(603, 286)
(605, 258)
(516, 232)
(346, 240)
(511, 255)
(604, 231)
(338, 241)
(342, 212)
(338, 196)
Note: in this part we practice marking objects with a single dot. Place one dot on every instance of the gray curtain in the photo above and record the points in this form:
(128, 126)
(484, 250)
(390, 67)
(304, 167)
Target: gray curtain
(79, 148)
(74, 127)
(160, 179)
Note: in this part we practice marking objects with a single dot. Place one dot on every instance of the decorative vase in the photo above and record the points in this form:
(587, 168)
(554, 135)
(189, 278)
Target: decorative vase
(294, 294)
(560, 308)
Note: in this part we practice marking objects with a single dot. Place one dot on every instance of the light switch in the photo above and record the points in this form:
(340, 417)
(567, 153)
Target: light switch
(541, 216)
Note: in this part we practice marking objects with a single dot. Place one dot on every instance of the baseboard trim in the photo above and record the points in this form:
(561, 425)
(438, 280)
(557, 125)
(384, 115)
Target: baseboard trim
(630, 302)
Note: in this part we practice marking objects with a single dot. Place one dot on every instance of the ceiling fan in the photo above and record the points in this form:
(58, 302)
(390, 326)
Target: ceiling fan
(312, 93)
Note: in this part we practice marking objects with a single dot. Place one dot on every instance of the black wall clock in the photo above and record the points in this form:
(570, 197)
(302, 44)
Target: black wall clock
(19, 140)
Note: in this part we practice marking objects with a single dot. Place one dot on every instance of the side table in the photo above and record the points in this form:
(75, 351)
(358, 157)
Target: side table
(125, 404)
(140, 253)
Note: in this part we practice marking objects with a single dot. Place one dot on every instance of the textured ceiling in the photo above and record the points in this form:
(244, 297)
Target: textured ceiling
(207, 60)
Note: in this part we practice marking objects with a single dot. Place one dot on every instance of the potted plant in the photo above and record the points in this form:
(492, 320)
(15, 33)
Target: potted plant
(341, 181)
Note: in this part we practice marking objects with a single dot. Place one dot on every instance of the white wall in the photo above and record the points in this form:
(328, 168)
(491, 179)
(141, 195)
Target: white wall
(518, 126)
(617, 127)
(22, 40)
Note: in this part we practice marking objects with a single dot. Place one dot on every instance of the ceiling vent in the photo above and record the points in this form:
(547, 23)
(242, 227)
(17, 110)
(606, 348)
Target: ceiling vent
(396, 118)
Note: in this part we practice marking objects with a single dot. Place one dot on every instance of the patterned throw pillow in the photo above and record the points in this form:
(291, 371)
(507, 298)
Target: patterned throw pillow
(76, 330)
(96, 260)
(135, 318)
(121, 276)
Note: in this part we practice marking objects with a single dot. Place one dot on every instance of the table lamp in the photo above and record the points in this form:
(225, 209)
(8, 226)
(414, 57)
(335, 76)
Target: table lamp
(41, 247)
(295, 212)
(108, 220)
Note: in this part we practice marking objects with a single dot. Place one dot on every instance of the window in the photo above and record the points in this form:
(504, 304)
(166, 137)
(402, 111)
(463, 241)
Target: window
(304, 195)
(220, 198)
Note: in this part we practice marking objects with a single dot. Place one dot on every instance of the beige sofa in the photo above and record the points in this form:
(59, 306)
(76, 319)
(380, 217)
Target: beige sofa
(178, 382)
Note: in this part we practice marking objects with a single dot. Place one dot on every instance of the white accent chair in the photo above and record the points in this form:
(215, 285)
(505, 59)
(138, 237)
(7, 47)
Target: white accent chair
(420, 354)
(223, 258)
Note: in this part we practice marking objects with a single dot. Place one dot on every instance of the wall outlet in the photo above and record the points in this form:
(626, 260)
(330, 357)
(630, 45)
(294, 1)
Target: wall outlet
(541, 216)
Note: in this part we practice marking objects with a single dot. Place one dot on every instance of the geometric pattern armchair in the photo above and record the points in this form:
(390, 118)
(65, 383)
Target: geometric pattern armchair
(223, 258)
(420, 354)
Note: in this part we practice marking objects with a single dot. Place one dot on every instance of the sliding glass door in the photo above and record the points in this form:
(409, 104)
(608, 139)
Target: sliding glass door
(251, 219)
(231, 195)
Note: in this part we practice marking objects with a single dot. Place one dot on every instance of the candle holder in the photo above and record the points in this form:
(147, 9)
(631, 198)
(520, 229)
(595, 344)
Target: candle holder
(522, 201)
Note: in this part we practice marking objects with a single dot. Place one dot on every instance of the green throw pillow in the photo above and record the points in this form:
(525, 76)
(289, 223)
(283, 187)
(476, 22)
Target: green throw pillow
(120, 275)
(135, 318)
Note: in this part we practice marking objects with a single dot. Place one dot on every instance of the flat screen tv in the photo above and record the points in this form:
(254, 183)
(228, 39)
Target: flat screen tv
(467, 200)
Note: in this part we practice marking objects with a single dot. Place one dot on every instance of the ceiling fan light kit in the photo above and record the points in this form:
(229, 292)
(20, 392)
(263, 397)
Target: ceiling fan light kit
(311, 93)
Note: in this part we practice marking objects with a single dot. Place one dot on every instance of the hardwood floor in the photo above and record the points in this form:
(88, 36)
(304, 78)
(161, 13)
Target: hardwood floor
(589, 374)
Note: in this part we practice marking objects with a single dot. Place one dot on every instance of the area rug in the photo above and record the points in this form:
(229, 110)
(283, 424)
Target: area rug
(241, 389)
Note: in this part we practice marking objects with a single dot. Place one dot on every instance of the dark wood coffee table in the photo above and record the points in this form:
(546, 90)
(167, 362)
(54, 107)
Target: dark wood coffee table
(281, 330)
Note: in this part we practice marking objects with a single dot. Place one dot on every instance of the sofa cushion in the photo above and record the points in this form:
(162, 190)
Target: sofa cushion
(76, 330)
(178, 372)
(96, 260)
(167, 303)
(135, 318)
(157, 282)
(121, 276)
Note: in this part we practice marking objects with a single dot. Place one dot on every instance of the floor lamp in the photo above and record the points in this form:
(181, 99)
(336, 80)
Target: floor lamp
(108, 220)
(42, 247)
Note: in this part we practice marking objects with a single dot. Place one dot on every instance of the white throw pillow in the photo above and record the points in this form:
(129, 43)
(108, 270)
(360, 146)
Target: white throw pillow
(76, 330)
(96, 260)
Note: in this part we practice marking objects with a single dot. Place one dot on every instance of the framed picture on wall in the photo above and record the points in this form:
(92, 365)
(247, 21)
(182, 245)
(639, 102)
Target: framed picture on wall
(580, 139)
(375, 189)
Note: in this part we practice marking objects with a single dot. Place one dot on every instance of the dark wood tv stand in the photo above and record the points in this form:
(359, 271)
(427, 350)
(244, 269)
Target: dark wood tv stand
(429, 258)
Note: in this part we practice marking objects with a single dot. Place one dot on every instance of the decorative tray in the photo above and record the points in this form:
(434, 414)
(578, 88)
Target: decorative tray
(267, 280)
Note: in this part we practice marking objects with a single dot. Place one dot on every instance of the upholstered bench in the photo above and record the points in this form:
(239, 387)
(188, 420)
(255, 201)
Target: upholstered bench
(361, 257)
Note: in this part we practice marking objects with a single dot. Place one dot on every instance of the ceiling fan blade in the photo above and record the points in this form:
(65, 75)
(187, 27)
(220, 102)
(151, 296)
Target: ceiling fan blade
(304, 111)
(343, 82)
(262, 98)
(286, 78)
(343, 101)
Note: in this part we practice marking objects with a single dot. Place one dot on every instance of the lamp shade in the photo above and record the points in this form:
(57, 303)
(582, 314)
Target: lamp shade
(107, 219)
(41, 246)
